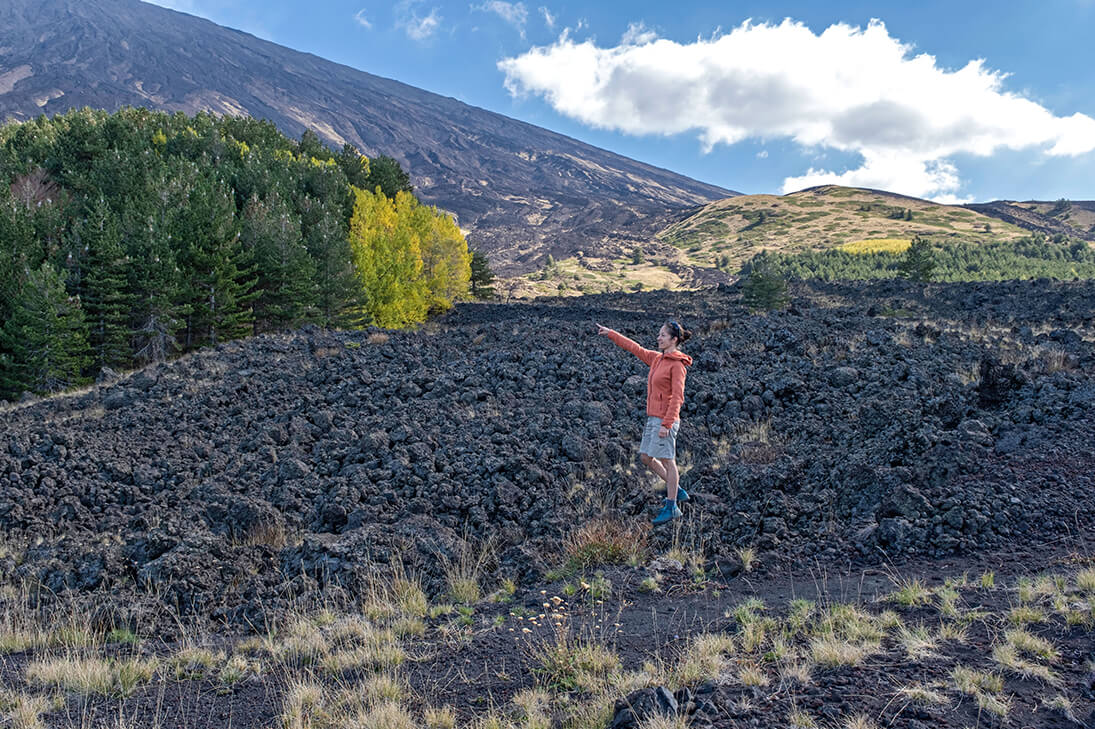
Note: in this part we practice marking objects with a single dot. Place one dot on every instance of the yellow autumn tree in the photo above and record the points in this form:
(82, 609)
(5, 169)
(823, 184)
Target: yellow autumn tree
(388, 258)
(446, 261)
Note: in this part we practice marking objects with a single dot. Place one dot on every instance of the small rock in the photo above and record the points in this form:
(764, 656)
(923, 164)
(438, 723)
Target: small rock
(843, 376)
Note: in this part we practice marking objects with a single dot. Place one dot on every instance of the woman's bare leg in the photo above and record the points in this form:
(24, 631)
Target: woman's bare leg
(672, 477)
(653, 464)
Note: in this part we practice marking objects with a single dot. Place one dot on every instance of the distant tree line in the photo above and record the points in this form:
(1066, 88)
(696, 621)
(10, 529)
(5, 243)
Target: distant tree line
(1034, 256)
(128, 237)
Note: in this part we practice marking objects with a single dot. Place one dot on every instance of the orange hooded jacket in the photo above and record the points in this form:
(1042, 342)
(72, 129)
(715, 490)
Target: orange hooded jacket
(664, 383)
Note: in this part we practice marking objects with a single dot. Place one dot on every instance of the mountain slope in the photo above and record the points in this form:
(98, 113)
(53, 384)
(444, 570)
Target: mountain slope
(728, 232)
(518, 190)
(1073, 218)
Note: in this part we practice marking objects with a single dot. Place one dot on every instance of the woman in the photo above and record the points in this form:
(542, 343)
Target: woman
(664, 397)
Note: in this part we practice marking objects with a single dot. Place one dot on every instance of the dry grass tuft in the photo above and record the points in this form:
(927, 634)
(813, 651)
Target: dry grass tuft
(462, 573)
(859, 721)
(386, 715)
(304, 706)
(993, 704)
(970, 682)
(24, 711)
(406, 595)
(750, 674)
(382, 687)
(920, 694)
(569, 663)
(1008, 657)
(832, 652)
(237, 668)
(918, 641)
(534, 706)
(747, 556)
(802, 720)
(439, 718)
(1085, 580)
(109, 677)
(704, 659)
(1026, 615)
(910, 593)
(24, 631)
(195, 663)
(1027, 642)
(1062, 704)
(796, 671)
(606, 540)
(953, 631)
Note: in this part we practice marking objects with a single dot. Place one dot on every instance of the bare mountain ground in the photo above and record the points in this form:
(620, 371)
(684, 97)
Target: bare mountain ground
(1075, 219)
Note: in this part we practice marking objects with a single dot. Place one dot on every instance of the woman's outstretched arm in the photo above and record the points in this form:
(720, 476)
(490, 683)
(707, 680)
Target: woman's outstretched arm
(646, 355)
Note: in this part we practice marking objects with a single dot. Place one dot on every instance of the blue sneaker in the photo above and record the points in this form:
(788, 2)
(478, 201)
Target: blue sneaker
(668, 513)
(682, 495)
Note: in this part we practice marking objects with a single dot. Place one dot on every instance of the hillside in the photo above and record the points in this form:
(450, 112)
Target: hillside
(520, 191)
(726, 233)
(1072, 218)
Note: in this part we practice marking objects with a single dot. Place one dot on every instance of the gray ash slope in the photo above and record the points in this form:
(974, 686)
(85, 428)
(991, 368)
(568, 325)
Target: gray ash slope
(902, 420)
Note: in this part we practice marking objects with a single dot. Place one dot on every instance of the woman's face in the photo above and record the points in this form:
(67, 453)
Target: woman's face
(665, 339)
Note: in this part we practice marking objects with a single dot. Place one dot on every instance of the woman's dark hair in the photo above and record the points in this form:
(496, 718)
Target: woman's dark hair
(675, 329)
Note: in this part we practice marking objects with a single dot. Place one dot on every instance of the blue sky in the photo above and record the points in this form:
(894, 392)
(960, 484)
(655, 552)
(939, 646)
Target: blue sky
(965, 101)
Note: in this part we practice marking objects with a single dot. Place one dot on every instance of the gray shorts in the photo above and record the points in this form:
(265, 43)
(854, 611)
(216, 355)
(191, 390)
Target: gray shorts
(657, 447)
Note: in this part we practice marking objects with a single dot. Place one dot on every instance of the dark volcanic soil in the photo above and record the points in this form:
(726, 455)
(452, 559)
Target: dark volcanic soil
(868, 423)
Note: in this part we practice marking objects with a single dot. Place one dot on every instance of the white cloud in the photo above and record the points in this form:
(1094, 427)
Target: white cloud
(416, 26)
(516, 14)
(763, 154)
(851, 89)
(638, 34)
(549, 19)
(359, 16)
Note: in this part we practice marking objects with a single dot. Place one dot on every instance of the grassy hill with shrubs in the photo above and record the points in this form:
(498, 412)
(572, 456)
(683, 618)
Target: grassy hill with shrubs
(727, 233)
(1033, 256)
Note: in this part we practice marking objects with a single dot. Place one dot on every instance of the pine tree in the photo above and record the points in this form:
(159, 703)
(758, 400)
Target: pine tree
(482, 278)
(106, 299)
(285, 272)
(764, 287)
(45, 338)
(919, 261)
(18, 252)
(354, 166)
(218, 278)
(154, 279)
(385, 173)
(339, 290)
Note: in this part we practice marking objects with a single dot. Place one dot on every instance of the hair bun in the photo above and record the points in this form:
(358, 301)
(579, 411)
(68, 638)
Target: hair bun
(685, 335)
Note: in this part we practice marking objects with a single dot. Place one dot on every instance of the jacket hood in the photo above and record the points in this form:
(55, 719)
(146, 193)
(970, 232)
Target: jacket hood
(679, 356)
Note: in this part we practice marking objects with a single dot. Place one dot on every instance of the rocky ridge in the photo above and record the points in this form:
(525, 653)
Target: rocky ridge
(868, 421)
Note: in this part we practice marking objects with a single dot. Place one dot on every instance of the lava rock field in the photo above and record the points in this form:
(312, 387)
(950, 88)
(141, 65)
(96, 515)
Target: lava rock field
(868, 421)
